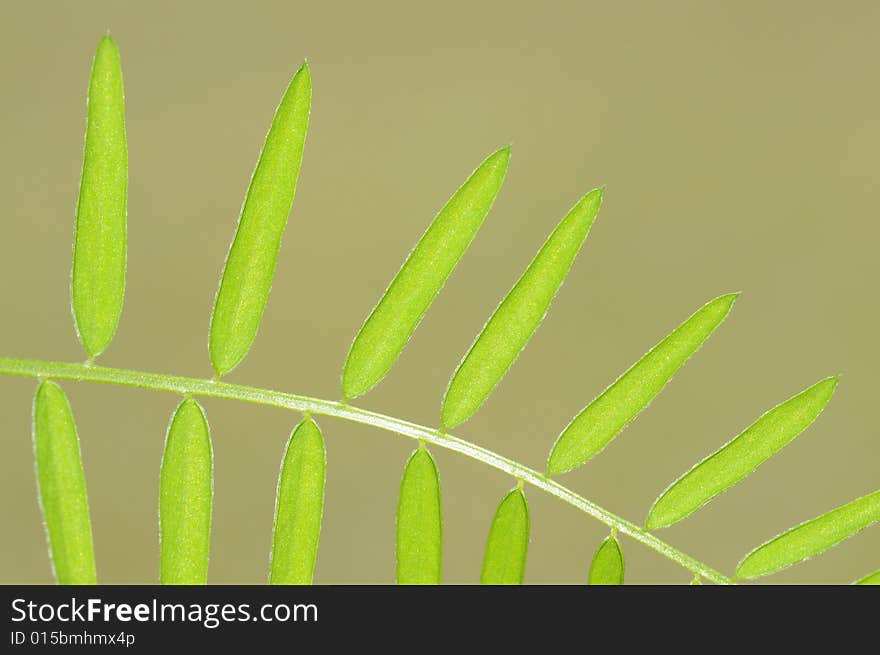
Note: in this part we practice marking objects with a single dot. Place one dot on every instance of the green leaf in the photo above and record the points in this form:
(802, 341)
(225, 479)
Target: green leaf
(512, 324)
(299, 507)
(186, 490)
(508, 542)
(250, 264)
(98, 279)
(812, 537)
(740, 456)
(870, 579)
(62, 487)
(419, 522)
(390, 325)
(608, 566)
(603, 419)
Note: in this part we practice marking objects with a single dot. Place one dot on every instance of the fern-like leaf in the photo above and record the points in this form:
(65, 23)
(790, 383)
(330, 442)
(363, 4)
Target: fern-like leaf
(186, 491)
(299, 507)
(608, 565)
(61, 485)
(603, 419)
(420, 522)
(392, 322)
(507, 545)
(739, 457)
(515, 320)
(98, 279)
(250, 264)
(811, 538)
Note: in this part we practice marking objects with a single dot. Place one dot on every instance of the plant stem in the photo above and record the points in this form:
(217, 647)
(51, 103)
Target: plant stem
(305, 404)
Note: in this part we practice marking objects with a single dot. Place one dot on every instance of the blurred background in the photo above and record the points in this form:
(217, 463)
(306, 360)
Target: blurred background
(738, 142)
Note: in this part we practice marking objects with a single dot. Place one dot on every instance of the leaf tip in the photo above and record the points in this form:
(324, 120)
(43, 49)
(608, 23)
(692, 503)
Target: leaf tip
(719, 308)
(826, 387)
(829, 386)
(590, 203)
(107, 47)
(501, 156)
(726, 300)
(302, 78)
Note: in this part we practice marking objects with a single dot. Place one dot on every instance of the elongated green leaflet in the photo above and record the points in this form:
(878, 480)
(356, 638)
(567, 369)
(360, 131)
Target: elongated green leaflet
(419, 522)
(508, 542)
(250, 264)
(740, 456)
(512, 324)
(186, 490)
(299, 507)
(99, 250)
(386, 331)
(870, 579)
(603, 419)
(811, 538)
(62, 487)
(608, 566)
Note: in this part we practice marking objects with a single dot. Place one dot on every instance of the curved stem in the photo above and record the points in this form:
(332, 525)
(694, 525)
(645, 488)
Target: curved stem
(217, 389)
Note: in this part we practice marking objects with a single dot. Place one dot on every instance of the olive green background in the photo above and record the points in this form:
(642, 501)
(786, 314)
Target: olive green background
(739, 145)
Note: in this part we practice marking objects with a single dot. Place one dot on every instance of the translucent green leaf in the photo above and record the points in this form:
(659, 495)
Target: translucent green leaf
(603, 419)
(390, 325)
(299, 507)
(870, 579)
(98, 279)
(508, 542)
(740, 456)
(186, 490)
(250, 264)
(812, 537)
(608, 566)
(512, 324)
(62, 487)
(419, 522)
